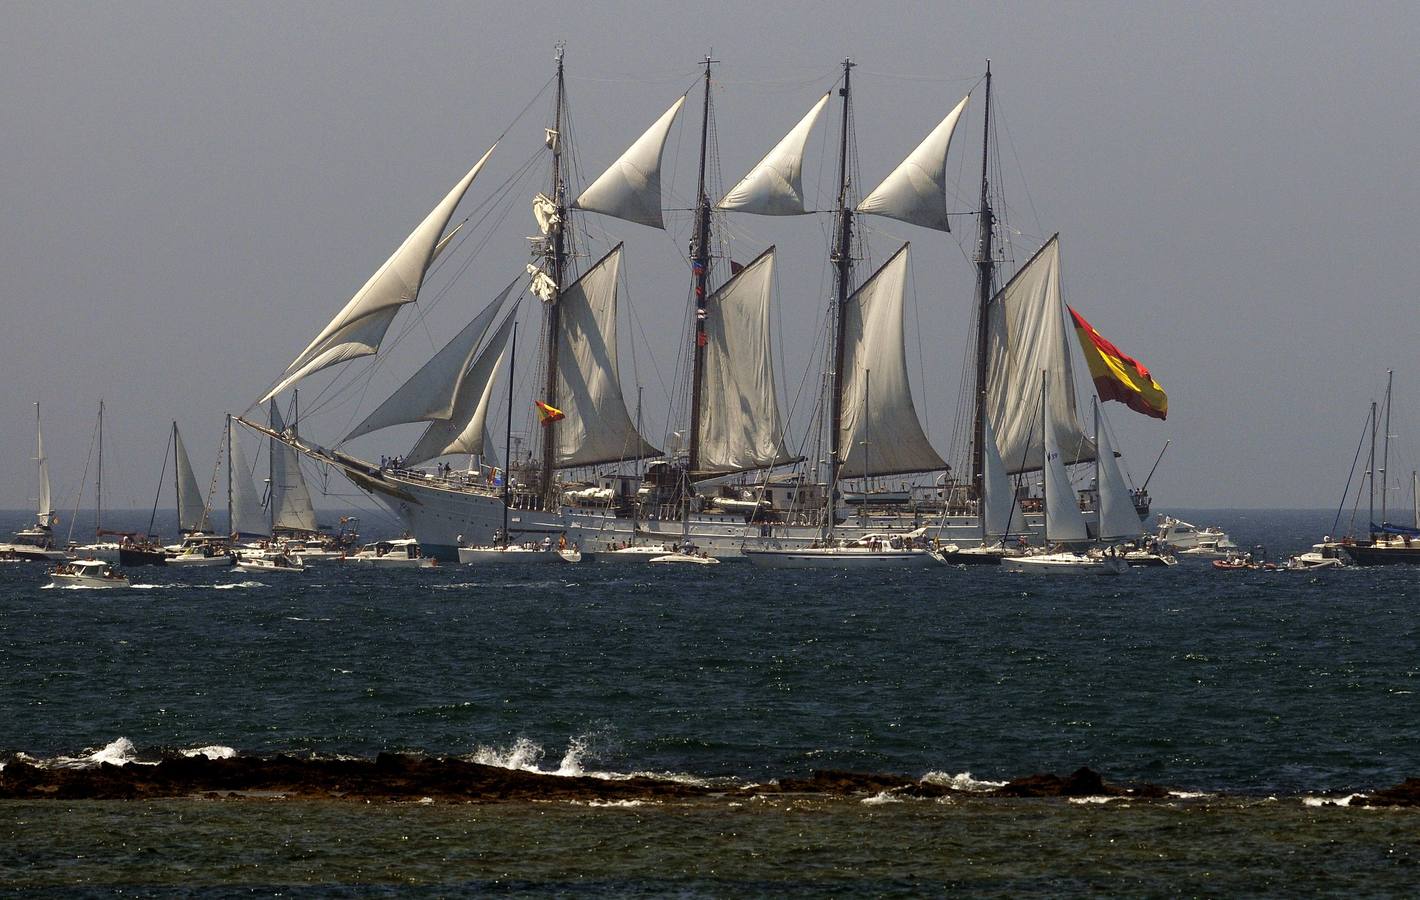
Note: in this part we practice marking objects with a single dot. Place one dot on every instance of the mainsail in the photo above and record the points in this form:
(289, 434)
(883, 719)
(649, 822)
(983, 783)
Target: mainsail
(1063, 519)
(740, 424)
(1027, 336)
(361, 325)
(431, 394)
(291, 507)
(916, 191)
(191, 508)
(597, 427)
(45, 508)
(1118, 519)
(774, 187)
(466, 428)
(880, 433)
(631, 188)
(1001, 514)
(246, 514)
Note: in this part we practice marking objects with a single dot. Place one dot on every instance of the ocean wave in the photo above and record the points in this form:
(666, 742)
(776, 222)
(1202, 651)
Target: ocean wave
(962, 781)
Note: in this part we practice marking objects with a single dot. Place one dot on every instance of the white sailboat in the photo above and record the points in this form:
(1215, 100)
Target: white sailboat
(37, 541)
(100, 549)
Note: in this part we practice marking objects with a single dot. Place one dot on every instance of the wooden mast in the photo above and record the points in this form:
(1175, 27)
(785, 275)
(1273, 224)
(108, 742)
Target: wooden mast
(843, 268)
(700, 267)
(508, 435)
(558, 263)
(985, 276)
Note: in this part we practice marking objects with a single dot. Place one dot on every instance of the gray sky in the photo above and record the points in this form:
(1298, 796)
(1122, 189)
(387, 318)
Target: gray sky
(191, 191)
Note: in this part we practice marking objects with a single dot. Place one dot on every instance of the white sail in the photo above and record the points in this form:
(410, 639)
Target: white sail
(430, 394)
(465, 431)
(1063, 520)
(44, 507)
(631, 188)
(775, 186)
(191, 508)
(1027, 335)
(246, 513)
(361, 325)
(740, 425)
(1117, 517)
(916, 191)
(597, 427)
(880, 433)
(291, 507)
(1001, 514)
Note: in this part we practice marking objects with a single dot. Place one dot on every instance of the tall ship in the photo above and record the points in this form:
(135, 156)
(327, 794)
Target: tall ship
(730, 476)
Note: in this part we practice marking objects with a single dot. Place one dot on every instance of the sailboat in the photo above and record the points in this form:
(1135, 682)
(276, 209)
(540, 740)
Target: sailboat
(100, 549)
(198, 545)
(37, 541)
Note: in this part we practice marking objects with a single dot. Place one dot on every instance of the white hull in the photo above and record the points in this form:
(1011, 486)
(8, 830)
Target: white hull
(840, 558)
(32, 553)
(92, 574)
(107, 551)
(515, 555)
(684, 559)
(198, 561)
(386, 562)
(631, 554)
(81, 581)
(1065, 564)
(267, 566)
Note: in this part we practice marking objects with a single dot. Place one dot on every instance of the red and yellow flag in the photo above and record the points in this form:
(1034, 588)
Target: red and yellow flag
(548, 414)
(1119, 377)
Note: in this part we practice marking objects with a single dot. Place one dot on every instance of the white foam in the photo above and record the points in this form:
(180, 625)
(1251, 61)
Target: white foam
(1330, 801)
(1084, 800)
(523, 755)
(1189, 795)
(622, 804)
(237, 584)
(119, 752)
(881, 798)
(960, 782)
(571, 764)
(212, 751)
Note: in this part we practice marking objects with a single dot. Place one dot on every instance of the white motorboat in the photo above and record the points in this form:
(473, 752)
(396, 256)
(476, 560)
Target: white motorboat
(1326, 555)
(688, 559)
(403, 553)
(518, 554)
(203, 555)
(635, 553)
(1066, 562)
(877, 551)
(1187, 539)
(278, 563)
(1145, 557)
(86, 573)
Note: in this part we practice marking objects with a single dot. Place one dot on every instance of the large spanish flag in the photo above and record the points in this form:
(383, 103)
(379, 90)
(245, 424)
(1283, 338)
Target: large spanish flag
(548, 414)
(1119, 377)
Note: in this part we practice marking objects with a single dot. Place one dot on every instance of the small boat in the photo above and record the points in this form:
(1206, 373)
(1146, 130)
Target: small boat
(403, 553)
(1235, 562)
(86, 573)
(874, 551)
(1187, 539)
(278, 563)
(1066, 562)
(206, 553)
(687, 556)
(981, 555)
(1148, 556)
(1326, 555)
(636, 553)
(37, 541)
(518, 554)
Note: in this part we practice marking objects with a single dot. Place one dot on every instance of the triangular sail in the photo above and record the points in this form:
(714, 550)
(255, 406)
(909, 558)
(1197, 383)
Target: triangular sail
(465, 431)
(631, 188)
(44, 511)
(1001, 514)
(597, 427)
(1063, 520)
(740, 424)
(291, 508)
(1027, 335)
(361, 325)
(880, 434)
(431, 393)
(191, 507)
(246, 512)
(774, 187)
(916, 191)
(1118, 519)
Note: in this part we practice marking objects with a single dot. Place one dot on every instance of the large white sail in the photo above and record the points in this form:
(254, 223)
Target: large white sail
(466, 429)
(916, 191)
(44, 511)
(1001, 514)
(246, 512)
(291, 507)
(1117, 517)
(774, 187)
(361, 325)
(431, 393)
(597, 427)
(191, 507)
(1063, 520)
(631, 188)
(880, 433)
(740, 424)
(1027, 335)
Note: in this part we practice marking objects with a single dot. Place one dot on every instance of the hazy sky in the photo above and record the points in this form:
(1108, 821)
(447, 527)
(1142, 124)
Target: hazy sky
(192, 190)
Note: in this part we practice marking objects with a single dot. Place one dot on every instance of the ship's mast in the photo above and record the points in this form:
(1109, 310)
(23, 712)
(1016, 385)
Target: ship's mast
(843, 269)
(557, 263)
(1385, 451)
(99, 480)
(231, 519)
(508, 436)
(700, 267)
(985, 277)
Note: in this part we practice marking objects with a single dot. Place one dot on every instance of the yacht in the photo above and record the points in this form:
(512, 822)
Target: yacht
(86, 573)
(403, 553)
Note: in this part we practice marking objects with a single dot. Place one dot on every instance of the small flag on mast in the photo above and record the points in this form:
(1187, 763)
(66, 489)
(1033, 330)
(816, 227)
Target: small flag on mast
(548, 414)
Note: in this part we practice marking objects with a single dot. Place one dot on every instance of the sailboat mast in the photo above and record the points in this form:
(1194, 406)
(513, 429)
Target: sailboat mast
(271, 477)
(508, 434)
(177, 478)
(1385, 451)
(231, 517)
(99, 480)
(700, 266)
(985, 276)
(558, 264)
(843, 267)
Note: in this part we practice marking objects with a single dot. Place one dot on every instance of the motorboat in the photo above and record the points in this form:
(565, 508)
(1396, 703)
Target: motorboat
(203, 554)
(688, 559)
(1149, 556)
(874, 551)
(1187, 539)
(980, 555)
(518, 554)
(635, 553)
(278, 563)
(1326, 555)
(403, 553)
(86, 573)
(1067, 562)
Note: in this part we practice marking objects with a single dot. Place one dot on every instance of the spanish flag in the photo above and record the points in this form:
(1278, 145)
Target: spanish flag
(1119, 377)
(548, 414)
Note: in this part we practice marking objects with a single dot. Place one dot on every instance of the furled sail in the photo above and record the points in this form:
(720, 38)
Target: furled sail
(880, 433)
(1063, 519)
(431, 393)
(1117, 518)
(775, 186)
(290, 498)
(596, 428)
(916, 191)
(631, 188)
(740, 425)
(246, 512)
(45, 507)
(1001, 514)
(466, 428)
(192, 510)
(1027, 335)
(361, 325)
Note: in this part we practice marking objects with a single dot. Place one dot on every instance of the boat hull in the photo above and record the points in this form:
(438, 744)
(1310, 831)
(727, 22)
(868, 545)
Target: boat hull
(1384, 554)
(1067, 564)
(839, 558)
(515, 556)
